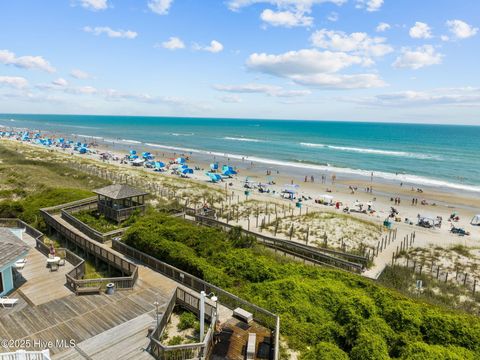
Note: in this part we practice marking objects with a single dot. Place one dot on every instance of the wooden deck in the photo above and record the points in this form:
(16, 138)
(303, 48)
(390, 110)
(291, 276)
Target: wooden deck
(233, 341)
(127, 341)
(39, 284)
(78, 318)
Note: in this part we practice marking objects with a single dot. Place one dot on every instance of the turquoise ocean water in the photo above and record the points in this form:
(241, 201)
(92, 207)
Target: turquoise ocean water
(445, 156)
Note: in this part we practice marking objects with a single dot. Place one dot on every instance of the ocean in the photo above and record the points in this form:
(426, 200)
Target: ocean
(442, 156)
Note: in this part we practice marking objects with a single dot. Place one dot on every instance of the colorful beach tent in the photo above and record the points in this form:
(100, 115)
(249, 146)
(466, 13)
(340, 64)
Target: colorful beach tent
(159, 165)
(476, 220)
(180, 160)
(185, 171)
(83, 150)
(228, 170)
(214, 177)
(214, 166)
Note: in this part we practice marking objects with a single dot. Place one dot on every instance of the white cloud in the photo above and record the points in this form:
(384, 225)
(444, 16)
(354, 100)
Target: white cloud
(25, 62)
(60, 82)
(420, 31)
(270, 90)
(13, 81)
(445, 38)
(82, 90)
(94, 5)
(466, 96)
(79, 74)
(417, 58)
(173, 43)
(300, 5)
(285, 18)
(369, 5)
(314, 68)
(358, 43)
(160, 7)
(333, 16)
(460, 29)
(232, 99)
(214, 47)
(383, 26)
(125, 34)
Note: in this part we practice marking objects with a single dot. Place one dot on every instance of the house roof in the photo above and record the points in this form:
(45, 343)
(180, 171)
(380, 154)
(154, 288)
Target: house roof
(119, 191)
(11, 247)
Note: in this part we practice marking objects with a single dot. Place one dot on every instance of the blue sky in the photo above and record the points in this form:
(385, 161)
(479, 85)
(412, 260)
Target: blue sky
(368, 60)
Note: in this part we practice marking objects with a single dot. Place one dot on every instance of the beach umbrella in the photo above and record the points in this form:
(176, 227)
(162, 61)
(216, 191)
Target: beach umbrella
(180, 160)
(83, 150)
(214, 166)
(159, 164)
(214, 177)
(133, 152)
(186, 171)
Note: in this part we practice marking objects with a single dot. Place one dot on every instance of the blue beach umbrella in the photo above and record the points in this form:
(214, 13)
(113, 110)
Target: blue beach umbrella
(186, 171)
(159, 165)
(181, 160)
(214, 177)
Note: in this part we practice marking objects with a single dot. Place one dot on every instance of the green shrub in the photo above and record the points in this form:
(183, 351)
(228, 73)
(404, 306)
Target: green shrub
(176, 340)
(316, 305)
(187, 321)
(325, 351)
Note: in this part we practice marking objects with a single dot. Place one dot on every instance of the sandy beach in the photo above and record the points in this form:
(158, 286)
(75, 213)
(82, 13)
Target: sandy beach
(438, 203)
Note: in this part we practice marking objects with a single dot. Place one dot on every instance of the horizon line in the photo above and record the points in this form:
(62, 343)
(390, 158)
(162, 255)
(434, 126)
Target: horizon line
(253, 118)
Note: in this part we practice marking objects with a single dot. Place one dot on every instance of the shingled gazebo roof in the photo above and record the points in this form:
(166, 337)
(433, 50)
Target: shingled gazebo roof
(11, 247)
(119, 192)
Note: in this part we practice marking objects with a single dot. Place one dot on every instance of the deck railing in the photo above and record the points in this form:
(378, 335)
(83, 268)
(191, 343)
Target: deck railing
(231, 301)
(332, 258)
(198, 350)
(119, 214)
(74, 277)
(88, 205)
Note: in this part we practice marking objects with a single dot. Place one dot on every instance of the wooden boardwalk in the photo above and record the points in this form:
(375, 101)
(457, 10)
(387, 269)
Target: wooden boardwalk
(234, 337)
(78, 318)
(127, 341)
(42, 285)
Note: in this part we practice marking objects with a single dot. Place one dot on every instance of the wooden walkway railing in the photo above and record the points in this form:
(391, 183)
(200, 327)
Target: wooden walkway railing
(184, 351)
(68, 215)
(350, 262)
(231, 301)
(74, 277)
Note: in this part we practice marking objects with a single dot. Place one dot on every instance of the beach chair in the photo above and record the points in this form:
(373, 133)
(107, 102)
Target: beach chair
(61, 262)
(53, 267)
(5, 301)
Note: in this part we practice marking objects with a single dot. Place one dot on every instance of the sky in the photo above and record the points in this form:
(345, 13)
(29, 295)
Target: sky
(359, 60)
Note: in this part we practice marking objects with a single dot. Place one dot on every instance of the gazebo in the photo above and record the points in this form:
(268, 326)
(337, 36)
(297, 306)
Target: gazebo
(118, 202)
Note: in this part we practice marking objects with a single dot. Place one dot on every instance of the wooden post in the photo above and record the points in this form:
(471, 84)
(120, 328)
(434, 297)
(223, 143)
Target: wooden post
(438, 271)
(308, 231)
(474, 286)
(291, 232)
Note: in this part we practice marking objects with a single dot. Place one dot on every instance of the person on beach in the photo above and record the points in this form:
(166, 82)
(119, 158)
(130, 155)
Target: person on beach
(312, 179)
(306, 178)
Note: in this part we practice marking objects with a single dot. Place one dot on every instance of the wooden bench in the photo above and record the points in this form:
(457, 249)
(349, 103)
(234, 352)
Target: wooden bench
(244, 315)
(251, 346)
(88, 290)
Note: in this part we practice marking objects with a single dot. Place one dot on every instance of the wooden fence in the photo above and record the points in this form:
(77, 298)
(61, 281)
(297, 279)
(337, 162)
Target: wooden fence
(74, 277)
(198, 350)
(89, 204)
(312, 254)
(437, 272)
(262, 316)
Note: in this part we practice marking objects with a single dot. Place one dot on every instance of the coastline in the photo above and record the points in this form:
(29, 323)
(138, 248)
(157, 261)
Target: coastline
(445, 202)
(313, 158)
